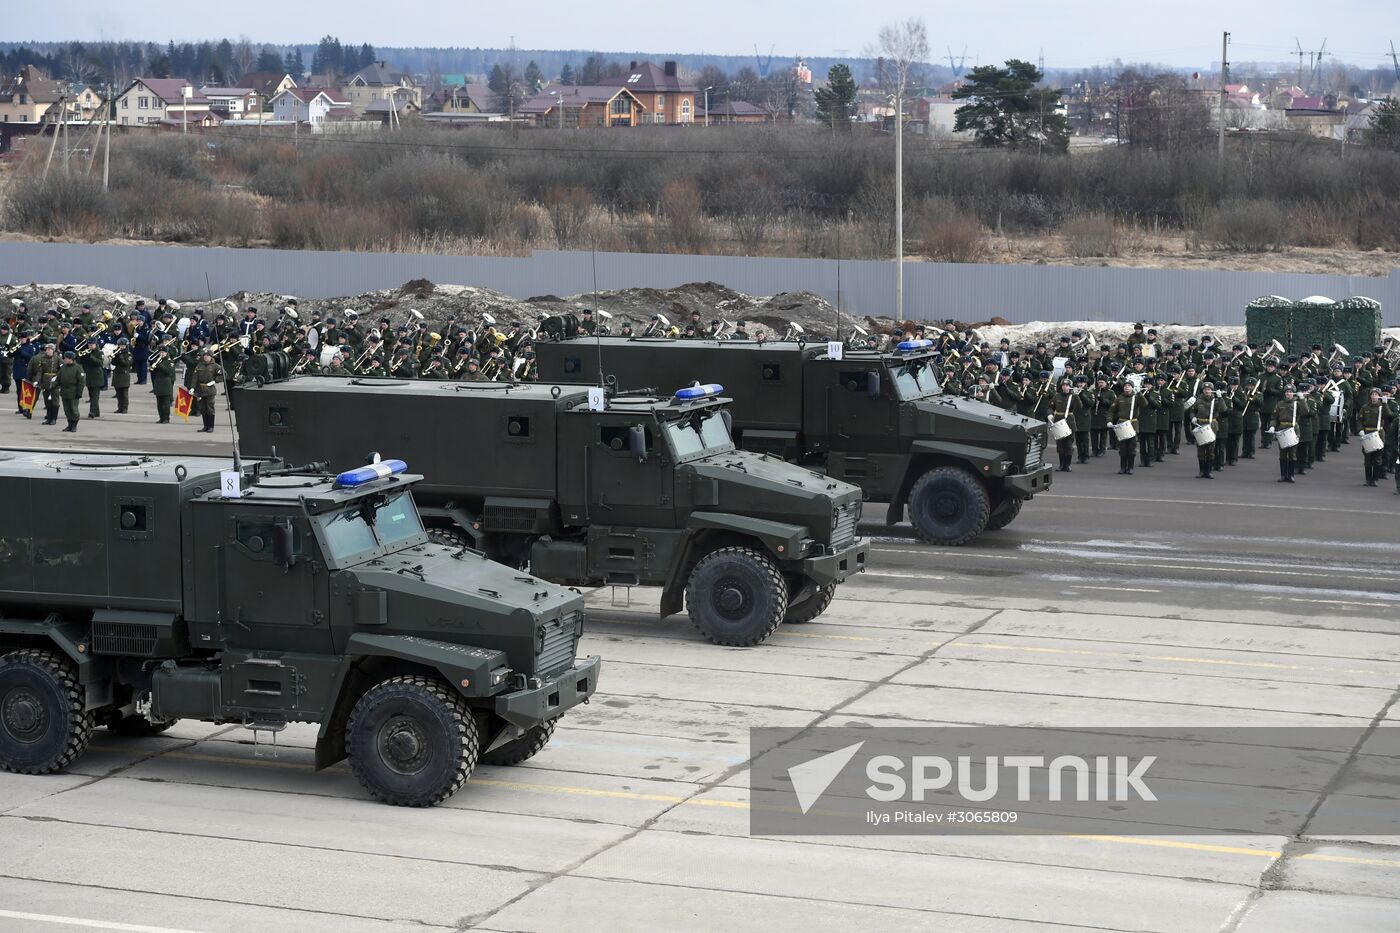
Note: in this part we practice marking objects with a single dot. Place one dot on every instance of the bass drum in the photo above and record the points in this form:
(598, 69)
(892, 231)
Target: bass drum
(327, 353)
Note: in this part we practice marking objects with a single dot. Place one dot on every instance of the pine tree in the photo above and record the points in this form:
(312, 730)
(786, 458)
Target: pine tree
(566, 74)
(367, 56)
(836, 102)
(1006, 108)
(592, 71)
(293, 63)
(534, 79)
(269, 60)
(1384, 125)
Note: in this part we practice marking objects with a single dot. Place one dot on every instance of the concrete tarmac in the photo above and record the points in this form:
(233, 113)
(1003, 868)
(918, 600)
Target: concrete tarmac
(1151, 600)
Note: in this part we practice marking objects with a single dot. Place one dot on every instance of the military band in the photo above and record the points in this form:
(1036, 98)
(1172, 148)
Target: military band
(1139, 397)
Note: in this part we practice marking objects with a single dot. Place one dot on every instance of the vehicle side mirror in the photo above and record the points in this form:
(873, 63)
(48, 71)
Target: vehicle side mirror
(282, 544)
(637, 442)
(872, 384)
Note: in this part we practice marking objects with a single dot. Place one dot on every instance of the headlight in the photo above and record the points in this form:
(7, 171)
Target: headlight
(499, 676)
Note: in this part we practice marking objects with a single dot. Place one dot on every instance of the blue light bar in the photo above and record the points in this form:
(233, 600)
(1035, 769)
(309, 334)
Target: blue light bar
(910, 345)
(693, 392)
(368, 474)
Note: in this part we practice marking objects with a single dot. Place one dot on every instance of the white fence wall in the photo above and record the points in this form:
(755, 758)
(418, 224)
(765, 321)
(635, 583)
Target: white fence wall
(932, 290)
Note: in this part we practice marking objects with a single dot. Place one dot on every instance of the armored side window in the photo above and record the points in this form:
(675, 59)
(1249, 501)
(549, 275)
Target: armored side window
(856, 380)
(573, 364)
(517, 427)
(772, 372)
(254, 536)
(278, 416)
(135, 517)
(615, 437)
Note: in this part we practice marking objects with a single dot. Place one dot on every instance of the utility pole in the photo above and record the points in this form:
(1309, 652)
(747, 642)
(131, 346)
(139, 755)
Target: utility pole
(1395, 60)
(107, 151)
(1224, 95)
(1299, 53)
(899, 201)
(53, 144)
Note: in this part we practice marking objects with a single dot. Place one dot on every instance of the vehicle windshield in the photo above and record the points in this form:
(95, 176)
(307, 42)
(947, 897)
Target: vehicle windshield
(355, 529)
(698, 435)
(914, 380)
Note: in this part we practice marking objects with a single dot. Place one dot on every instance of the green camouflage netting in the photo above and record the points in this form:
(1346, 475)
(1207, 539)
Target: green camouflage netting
(1354, 323)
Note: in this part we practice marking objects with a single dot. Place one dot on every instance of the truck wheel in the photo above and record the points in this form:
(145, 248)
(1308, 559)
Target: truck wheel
(948, 505)
(451, 537)
(736, 596)
(138, 726)
(522, 749)
(1005, 513)
(811, 607)
(412, 741)
(43, 726)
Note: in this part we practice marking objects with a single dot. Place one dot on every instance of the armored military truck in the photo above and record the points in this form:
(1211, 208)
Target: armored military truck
(634, 490)
(873, 418)
(139, 590)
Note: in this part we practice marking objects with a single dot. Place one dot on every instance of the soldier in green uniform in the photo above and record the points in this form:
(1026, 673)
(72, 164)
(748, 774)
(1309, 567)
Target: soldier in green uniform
(121, 374)
(1100, 411)
(1372, 419)
(70, 388)
(1148, 406)
(1165, 399)
(1307, 427)
(163, 384)
(91, 362)
(1177, 410)
(1285, 416)
(1271, 393)
(473, 372)
(1250, 418)
(1126, 409)
(1232, 420)
(1082, 423)
(1206, 414)
(1065, 408)
(207, 376)
(43, 372)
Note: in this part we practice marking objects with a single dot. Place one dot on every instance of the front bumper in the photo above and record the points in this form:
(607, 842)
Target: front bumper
(1025, 485)
(536, 705)
(834, 567)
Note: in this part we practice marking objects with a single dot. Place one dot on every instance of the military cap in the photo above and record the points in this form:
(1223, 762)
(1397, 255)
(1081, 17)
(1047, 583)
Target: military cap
(373, 338)
(1292, 358)
(1040, 345)
(1317, 346)
(590, 311)
(122, 342)
(1176, 346)
(1081, 378)
(1234, 380)
(1161, 377)
(1045, 374)
(250, 310)
(1347, 369)
(1175, 370)
(69, 355)
(1064, 339)
(1152, 330)
(1207, 385)
(1192, 342)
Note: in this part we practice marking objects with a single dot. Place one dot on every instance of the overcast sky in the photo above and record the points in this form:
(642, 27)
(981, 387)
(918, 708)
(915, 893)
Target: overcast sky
(1073, 33)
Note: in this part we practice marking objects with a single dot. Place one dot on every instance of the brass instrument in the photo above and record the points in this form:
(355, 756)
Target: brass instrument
(359, 360)
(490, 367)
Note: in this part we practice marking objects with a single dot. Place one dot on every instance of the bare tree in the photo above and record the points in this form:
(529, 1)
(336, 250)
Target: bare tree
(243, 59)
(568, 211)
(903, 47)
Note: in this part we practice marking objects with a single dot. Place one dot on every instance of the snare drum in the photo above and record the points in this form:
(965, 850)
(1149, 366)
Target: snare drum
(1372, 442)
(1124, 431)
(1287, 438)
(1059, 430)
(1205, 434)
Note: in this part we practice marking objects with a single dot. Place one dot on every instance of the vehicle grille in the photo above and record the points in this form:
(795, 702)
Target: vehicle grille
(1035, 452)
(843, 525)
(507, 518)
(123, 638)
(558, 644)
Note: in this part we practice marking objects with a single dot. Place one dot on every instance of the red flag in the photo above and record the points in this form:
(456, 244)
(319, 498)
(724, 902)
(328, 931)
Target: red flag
(184, 402)
(28, 395)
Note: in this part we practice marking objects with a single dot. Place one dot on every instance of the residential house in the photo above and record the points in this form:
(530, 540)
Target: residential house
(27, 96)
(266, 86)
(937, 114)
(585, 106)
(1358, 124)
(390, 112)
(464, 98)
(84, 103)
(379, 82)
(732, 111)
(1240, 95)
(663, 95)
(1322, 122)
(232, 102)
(311, 105)
(161, 100)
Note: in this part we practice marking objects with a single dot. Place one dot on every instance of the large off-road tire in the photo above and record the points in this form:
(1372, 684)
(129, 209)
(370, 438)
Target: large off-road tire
(1005, 513)
(136, 727)
(811, 607)
(412, 741)
(43, 726)
(736, 596)
(522, 749)
(948, 505)
(452, 537)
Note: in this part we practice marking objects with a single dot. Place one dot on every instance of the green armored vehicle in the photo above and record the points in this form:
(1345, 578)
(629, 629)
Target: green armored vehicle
(619, 489)
(872, 418)
(138, 590)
